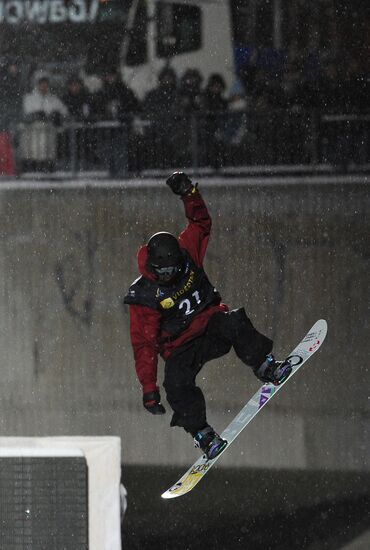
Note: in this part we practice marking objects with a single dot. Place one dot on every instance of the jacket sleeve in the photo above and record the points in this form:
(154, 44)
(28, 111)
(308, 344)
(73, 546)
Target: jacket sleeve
(144, 330)
(195, 236)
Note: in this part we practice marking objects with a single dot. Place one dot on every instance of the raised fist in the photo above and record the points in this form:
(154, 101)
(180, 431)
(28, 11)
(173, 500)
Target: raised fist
(180, 183)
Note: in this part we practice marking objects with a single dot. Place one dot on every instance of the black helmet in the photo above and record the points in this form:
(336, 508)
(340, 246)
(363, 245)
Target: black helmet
(165, 258)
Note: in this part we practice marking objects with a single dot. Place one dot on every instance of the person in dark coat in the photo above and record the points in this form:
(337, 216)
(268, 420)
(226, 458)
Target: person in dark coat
(11, 94)
(161, 100)
(159, 108)
(188, 116)
(116, 100)
(214, 120)
(213, 96)
(189, 98)
(78, 100)
(177, 313)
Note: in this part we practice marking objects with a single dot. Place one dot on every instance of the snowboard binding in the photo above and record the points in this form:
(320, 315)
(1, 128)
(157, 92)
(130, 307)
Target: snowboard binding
(274, 372)
(209, 442)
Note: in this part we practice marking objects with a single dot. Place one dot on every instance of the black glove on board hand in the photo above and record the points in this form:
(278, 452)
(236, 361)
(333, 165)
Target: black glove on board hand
(152, 402)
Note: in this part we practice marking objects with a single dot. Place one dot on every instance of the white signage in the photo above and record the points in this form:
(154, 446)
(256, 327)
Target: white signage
(16, 12)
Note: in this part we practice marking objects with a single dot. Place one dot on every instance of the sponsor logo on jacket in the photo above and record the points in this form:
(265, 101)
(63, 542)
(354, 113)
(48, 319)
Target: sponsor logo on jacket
(167, 303)
(186, 287)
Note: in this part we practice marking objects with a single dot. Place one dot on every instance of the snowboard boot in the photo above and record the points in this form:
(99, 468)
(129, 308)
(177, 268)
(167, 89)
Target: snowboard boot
(210, 442)
(275, 372)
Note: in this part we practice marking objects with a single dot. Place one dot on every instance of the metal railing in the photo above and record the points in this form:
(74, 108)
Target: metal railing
(214, 141)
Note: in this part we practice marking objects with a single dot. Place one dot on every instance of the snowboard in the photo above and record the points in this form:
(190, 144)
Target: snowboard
(305, 349)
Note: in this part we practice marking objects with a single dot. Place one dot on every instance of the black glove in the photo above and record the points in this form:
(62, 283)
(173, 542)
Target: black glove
(180, 183)
(152, 402)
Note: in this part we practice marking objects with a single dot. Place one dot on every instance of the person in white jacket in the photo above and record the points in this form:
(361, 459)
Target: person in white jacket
(43, 112)
(41, 104)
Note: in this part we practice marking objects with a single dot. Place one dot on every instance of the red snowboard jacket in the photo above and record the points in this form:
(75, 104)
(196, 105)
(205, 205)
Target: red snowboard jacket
(148, 341)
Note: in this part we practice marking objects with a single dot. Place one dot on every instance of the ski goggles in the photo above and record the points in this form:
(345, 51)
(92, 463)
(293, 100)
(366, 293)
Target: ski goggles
(166, 273)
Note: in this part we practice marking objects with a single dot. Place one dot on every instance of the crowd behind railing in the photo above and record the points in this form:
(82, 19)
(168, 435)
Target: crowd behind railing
(295, 116)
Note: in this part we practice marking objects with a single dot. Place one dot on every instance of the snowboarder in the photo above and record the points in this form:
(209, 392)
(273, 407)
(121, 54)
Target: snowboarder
(177, 313)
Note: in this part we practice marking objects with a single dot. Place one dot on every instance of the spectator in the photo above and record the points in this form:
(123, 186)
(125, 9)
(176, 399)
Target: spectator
(42, 105)
(263, 120)
(248, 72)
(81, 109)
(10, 111)
(292, 99)
(162, 99)
(43, 112)
(265, 94)
(214, 108)
(77, 100)
(190, 93)
(238, 101)
(213, 95)
(159, 106)
(236, 136)
(292, 86)
(188, 106)
(11, 91)
(115, 100)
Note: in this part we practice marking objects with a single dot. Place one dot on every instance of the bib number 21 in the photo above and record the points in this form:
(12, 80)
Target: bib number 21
(187, 304)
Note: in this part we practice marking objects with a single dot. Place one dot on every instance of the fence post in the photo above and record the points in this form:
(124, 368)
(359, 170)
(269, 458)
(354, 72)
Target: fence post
(73, 149)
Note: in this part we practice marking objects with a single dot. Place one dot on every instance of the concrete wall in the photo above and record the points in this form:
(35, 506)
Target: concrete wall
(291, 252)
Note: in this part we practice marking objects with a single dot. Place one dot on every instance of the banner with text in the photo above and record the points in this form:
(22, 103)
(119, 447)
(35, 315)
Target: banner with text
(42, 12)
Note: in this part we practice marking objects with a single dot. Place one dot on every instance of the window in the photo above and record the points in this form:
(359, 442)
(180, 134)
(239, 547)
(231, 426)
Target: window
(179, 29)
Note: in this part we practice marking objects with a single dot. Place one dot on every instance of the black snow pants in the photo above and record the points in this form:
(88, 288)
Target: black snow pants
(224, 330)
